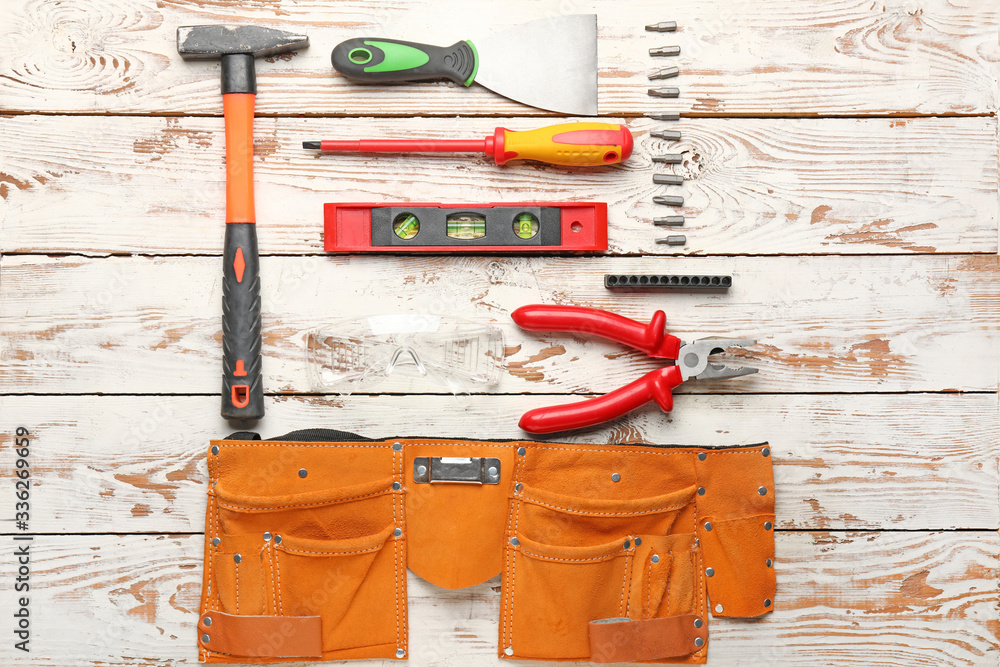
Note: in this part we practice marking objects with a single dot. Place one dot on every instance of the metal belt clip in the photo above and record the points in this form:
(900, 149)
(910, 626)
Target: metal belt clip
(456, 470)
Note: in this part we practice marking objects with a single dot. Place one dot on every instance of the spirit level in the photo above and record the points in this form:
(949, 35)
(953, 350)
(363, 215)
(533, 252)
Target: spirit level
(547, 227)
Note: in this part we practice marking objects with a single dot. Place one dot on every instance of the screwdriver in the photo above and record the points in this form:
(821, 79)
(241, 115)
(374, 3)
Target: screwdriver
(570, 144)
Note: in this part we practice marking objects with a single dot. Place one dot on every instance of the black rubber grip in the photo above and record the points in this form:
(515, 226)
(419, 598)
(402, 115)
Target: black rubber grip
(363, 59)
(628, 281)
(242, 387)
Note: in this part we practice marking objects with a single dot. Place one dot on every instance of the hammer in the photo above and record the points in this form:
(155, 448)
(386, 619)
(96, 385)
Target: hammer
(237, 46)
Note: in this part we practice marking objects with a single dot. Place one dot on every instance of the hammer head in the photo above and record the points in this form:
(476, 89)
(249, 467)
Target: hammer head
(211, 42)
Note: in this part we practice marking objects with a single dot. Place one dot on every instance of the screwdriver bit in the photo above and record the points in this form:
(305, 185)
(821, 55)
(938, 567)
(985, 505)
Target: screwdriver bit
(669, 158)
(668, 200)
(666, 135)
(676, 239)
(665, 92)
(665, 51)
(668, 179)
(664, 116)
(665, 73)
(669, 221)
(662, 26)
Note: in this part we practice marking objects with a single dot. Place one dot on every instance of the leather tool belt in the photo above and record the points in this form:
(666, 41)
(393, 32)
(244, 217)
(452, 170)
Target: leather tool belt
(608, 553)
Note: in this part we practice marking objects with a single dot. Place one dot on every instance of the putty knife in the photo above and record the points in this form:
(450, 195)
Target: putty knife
(550, 63)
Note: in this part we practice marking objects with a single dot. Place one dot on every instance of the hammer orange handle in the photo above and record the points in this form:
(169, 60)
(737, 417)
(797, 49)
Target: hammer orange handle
(242, 385)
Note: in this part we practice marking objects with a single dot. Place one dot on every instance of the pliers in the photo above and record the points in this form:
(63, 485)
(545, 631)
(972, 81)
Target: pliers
(692, 362)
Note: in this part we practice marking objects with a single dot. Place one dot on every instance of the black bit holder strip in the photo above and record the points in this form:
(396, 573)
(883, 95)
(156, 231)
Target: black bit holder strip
(644, 280)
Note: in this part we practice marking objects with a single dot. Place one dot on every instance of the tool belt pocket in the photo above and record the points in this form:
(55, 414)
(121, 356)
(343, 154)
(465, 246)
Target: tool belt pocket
(572, 560)
(328, 553)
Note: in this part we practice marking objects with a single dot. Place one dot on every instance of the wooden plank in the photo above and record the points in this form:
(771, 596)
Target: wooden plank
(97, 185)
(824, 324)
(137, 464)
(792, 57)
(865, 598)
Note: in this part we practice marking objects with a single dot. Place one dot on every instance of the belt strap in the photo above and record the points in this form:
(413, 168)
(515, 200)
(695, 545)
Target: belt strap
(261, 636)
(625, 640)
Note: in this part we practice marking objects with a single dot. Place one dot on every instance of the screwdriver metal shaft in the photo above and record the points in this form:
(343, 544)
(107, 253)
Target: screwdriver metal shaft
(668, 179)
(662, 26)
(669, 158)
(668, 200)
(676, 239)
(669, 221)
(664, 116)
(665, 92)
(665, 51)
(665, 73)
(666, 135)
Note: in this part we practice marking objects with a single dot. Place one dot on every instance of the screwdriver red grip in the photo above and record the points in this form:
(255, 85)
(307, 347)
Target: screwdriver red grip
(653, 386)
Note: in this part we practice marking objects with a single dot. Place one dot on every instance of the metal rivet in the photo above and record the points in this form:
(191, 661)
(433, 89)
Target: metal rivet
(762, 490)
(421, 470)
(237, 557)
(492, 471)
(267, 537)
(709, 572)
(626, 545)
(708, 525)
(400, 653)
(397, 446)
(215, 449)
(655, 558)
(698, 622)
(701, 490)
(769, 562)
(508, 651)
(615, 477)
(207, 620)
(699, 642)
(303, 472)
(767, 602)
(702, 456)
(766, 451)
(205, 638)
(768, 525)
(397, 532)
(521, 451)
(514, 541)
(718, 609)
(277, 539)
(216, 541)
(518, 487)
(638, 541)
(396, 486)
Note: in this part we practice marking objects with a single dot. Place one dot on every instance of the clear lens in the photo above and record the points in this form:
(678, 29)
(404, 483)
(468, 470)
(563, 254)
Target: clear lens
(450, 353)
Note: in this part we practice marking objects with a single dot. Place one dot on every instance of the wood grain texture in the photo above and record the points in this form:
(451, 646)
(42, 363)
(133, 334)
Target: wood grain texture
(823, 324)
(926, 599)
(786, 57)
(96, 185)
(138, 463)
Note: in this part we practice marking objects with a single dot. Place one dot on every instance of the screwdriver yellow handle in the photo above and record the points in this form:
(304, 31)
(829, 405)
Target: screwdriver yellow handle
(570, 144)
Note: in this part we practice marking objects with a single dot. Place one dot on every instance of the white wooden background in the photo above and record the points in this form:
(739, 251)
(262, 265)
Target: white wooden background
(842, 160)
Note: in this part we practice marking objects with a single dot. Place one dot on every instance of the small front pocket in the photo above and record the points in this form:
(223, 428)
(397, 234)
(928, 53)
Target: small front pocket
(558, 519)
(350, 583)
(555, 591)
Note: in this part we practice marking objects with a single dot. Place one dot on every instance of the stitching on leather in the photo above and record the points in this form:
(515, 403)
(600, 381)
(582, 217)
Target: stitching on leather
(517, 443)
(395, 550)
(274, 596)
(261, 508)
(621, 605)
(649, 576)
(277, 570)
(595, 559)
(585, 513)
(329, 553)
(237, 589)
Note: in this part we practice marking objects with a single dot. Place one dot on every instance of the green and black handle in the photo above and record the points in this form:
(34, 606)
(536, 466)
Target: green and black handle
(378, 60)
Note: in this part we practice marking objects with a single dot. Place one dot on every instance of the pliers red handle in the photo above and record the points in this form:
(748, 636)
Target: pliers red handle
(692, 362)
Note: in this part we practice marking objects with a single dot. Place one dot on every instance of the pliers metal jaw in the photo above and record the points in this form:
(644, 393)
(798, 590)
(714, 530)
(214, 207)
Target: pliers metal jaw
(693, 361)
